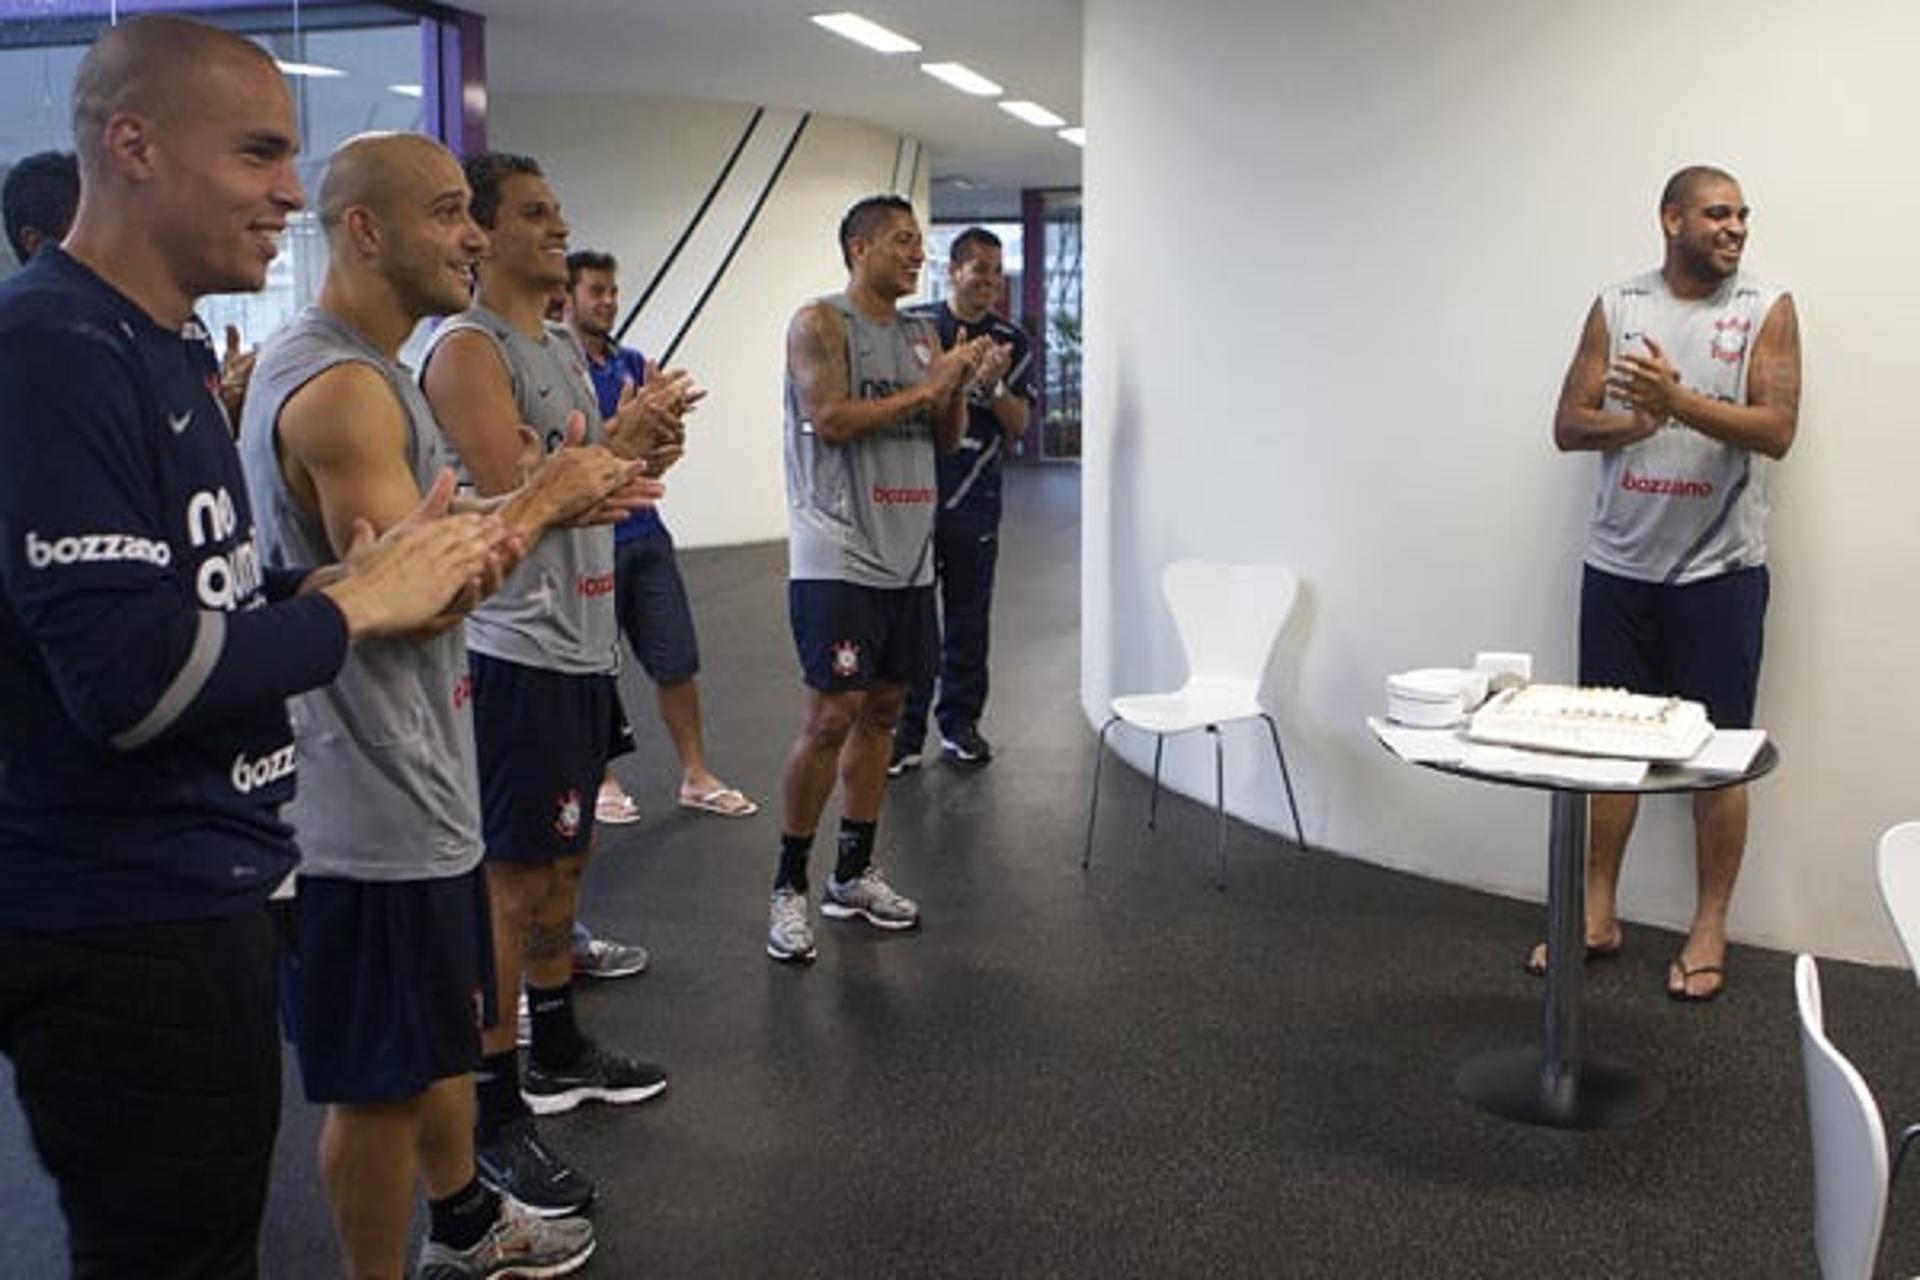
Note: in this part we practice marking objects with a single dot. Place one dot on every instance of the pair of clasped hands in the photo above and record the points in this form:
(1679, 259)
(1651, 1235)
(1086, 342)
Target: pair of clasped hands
(970, 364)
(427, 572)
(1647, 384)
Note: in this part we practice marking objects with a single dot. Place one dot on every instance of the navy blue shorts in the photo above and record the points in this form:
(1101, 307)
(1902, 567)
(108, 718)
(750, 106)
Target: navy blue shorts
(388, 984)
(852, 637)
(654, 611)
(1698, 640)
(620, 739)
(543, 739)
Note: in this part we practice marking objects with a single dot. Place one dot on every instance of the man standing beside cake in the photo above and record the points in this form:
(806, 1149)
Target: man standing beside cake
(1687, 384)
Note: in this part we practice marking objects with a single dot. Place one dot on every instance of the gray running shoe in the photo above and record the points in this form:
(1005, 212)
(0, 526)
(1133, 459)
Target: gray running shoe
(872, 899)
(603, 957)
(517, 1244)
(789, 935)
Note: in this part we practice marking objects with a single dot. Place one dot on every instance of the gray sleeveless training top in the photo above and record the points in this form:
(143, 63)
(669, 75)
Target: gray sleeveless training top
(1683, 506)
(863, 512)
(388, 785)
(556, 611)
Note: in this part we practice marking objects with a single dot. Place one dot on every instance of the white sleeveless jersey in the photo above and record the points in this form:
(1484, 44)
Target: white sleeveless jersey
(555, 611)
(862, 512)
(1682, 506)
(388, 785)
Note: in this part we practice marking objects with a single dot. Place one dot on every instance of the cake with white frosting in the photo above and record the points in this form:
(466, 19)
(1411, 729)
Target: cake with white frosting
(1593, 722)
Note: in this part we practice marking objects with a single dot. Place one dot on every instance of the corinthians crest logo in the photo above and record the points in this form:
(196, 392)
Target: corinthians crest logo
(846, 659)
(1730, 338)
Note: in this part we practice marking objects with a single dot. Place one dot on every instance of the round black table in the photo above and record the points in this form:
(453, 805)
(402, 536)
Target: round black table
(1555, 1084)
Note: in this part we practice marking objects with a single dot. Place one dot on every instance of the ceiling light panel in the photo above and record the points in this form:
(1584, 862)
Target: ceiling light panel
(866, 32)
(963, 78)
(1076, 135)
(1033, 113)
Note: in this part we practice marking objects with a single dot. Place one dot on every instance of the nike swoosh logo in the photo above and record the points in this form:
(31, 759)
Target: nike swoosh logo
(180, 421)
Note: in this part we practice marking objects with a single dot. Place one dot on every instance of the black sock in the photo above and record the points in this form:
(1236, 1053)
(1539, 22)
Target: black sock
(793, 863)
(557, 1041)
(496, 1091)
(856, 849)
(463, 1217)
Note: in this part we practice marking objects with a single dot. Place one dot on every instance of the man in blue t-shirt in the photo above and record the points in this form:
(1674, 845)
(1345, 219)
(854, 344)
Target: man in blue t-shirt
(966, 538)
(648, 591)
(146, 653)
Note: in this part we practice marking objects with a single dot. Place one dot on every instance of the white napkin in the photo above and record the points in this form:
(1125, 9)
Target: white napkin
(1420, 746)
(1729, 751)
(1448, 746)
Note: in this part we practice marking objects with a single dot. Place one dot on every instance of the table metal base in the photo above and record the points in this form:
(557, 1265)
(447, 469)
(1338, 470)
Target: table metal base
(1514, 1083)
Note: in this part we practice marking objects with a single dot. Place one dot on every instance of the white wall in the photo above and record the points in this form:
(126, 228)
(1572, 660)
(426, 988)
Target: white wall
(630, 173)
(1337, 259)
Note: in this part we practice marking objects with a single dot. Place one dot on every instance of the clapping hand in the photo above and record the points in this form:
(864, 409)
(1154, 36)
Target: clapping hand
(236, 371)
(425, 572)
(589, 483)
(1646, 383)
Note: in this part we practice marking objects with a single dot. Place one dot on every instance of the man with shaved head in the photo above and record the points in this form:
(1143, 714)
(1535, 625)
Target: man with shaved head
(1686, 383)
(146, 652)
(392, 966)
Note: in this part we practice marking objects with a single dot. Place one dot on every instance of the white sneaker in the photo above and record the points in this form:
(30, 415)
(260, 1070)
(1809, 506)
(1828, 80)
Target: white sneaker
(517, 1244)
(789, 935)
(871, 898)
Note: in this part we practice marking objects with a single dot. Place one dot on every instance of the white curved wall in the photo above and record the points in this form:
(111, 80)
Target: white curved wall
(1337, 259)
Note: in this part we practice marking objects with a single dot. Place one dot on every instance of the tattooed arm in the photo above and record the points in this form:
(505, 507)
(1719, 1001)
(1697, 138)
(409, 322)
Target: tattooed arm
(817, 362)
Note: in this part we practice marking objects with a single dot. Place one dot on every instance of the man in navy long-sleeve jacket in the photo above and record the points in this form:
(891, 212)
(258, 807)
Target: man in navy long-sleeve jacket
(145, 655)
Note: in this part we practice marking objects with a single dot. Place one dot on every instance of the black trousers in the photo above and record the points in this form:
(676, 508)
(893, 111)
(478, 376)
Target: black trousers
(965, 556)
(147, 1060)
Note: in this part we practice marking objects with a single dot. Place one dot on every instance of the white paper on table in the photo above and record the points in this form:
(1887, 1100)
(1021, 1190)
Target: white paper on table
(1451, 746)
(1597, 773)
(1420, 746)
(1729, 751)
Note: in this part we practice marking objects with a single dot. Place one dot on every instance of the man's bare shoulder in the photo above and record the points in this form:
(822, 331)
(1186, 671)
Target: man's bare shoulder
(349, 408)
(818, 318)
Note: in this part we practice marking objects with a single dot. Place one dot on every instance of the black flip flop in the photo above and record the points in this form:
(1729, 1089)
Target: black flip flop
(1687, 975)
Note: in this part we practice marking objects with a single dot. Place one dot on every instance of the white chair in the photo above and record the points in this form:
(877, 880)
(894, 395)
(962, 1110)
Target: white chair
(1899, 864)
(1850, 1174)
(1228, 617)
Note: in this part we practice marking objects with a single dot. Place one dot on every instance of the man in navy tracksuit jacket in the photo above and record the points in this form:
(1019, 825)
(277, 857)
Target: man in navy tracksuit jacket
(145, 653)
(966, 539)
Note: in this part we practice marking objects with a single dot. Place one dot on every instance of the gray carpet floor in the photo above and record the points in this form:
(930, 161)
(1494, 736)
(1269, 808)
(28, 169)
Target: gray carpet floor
(1121, 1073)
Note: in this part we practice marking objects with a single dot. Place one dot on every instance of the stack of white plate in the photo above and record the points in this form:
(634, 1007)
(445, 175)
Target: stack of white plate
(1434, 697)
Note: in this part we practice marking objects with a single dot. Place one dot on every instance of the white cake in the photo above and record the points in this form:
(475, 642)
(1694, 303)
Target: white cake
(1593, 722)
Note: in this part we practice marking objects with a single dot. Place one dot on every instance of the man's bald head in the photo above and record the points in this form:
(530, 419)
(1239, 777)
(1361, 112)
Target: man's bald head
(399, 224)
(378, 171)
(1680, 188)
(151, 66)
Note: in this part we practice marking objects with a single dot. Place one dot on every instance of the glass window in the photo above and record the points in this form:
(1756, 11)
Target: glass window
(350, 68)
